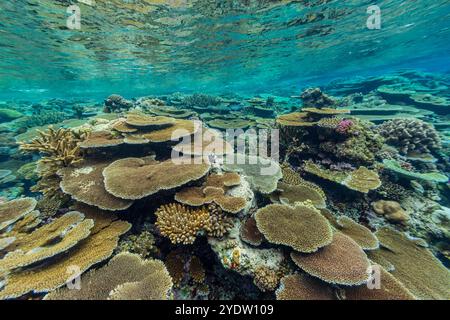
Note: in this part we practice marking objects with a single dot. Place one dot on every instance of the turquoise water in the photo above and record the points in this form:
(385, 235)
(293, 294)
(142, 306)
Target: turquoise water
(145, 47)
(316, 136)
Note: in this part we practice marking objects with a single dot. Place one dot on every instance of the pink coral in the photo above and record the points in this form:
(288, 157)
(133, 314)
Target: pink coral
(344, 126)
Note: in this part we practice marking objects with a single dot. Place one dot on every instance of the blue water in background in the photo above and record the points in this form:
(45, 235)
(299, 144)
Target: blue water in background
(141, 47)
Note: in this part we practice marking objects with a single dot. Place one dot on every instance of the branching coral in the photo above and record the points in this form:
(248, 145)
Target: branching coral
(301, 227)
(266, 279)
(341, 262)
(220, 224)
(182, 224)
(411, 135)
(142, 244)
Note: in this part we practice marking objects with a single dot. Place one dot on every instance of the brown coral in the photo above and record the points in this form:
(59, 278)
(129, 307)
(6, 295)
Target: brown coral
(249, 232)
(391, 210)
(182, 224)
(136, 178)
(301, 227)
(85, 184)
(50, 276)
(290, 194)
(196, 270)
(359, 233)
(304, 287)
(122, 270)
(14, 210)
(341, 262)
(204, 143)
(48, 241)
(415, 266)
(101, 139)
(266, 279)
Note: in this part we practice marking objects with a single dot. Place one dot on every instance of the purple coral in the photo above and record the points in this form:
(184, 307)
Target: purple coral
(344, 126)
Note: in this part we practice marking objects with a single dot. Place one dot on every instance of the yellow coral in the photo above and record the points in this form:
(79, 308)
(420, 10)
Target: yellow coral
(182, 224)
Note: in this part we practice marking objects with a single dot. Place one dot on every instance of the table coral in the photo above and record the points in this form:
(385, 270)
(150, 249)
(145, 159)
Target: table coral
(304, 287)
(14, 210)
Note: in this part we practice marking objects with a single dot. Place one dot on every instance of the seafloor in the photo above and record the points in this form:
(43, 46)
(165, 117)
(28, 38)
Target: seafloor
(358, 191)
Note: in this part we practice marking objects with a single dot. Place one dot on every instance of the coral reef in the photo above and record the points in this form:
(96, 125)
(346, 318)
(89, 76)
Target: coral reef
(391, 210)
(304, 287)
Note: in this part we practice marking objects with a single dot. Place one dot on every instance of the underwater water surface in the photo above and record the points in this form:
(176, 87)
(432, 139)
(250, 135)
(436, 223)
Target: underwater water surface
(315, 137)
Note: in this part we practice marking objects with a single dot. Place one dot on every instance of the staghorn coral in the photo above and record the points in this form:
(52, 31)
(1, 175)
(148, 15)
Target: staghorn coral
(411, 135)
(51, 276)
(14, 210)
(301, 227)
(136, 178)
(182, 224)
(390, 289)
(304, 287)
(415, 266)
(359, 233)
(266, 279)
(341, 262)
(121, 279)
(213, 191)
(362, 179)
(391, 210)
(48, 241)
(84, 183)
(249, 232)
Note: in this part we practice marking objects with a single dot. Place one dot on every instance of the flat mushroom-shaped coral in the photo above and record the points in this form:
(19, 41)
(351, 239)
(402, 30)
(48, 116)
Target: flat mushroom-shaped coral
(48, 241)
(389, 289)
(50, 276)
(143, 121)
(84, 183)
(341, 262)
(304, 287)
(290, 194)
(204, 143)
(359, 233)
(301, 227)
(177, 130)
(415, 266)
(261, 173)
(295, 119)
(137, 178)
(121, 269)
(14, 210)
(101, 139)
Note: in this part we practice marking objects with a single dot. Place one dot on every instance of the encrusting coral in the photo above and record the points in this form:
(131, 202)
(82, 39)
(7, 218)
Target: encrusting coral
(182, 224)
(14, 210)
(136, 178)
(341, 262)
(301, 227)
(124, 277)
(391, 210)
(362, 179)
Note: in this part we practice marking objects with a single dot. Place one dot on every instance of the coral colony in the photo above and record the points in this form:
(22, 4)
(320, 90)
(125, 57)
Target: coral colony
(303, 193)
